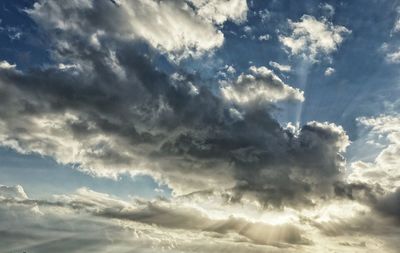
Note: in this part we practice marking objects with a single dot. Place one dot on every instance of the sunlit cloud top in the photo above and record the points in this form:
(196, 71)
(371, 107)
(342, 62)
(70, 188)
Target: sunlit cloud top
(199, 126)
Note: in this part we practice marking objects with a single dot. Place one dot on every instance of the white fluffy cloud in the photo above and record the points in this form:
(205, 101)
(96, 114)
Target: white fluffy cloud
(16, 192)
(393, 57)
(396, 27)
(261, 85)
(311, 38)
(6, 65)
(329, 71)
(391, 52)
(220, 11)
(385, 133)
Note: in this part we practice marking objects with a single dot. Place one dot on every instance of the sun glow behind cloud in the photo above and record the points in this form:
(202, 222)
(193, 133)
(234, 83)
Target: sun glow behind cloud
(181, 92)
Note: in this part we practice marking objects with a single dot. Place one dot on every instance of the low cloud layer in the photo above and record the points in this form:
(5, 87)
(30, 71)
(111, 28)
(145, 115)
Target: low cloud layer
(160, 215)
(93, 221)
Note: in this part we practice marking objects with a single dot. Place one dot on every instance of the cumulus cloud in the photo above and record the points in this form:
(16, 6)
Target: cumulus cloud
(393, 57)
(329, 71)
(384, 129)
(118, 112)
(390, 52)
(261, 85)
(6, 65)
(106, 131)
(16, 192)
(264, 37)
(221, 11)
(396, 27)
(147, 122)
(376, 183)
(241, 181)
(312, 39)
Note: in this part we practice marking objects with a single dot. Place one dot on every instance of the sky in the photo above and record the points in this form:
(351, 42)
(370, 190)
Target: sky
(199, 126)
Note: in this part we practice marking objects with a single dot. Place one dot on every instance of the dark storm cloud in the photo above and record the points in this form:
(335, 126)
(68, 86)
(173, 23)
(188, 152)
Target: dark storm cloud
(384, 202)
(271, 163)
(390, 204)
(112, 109)
(256, 149)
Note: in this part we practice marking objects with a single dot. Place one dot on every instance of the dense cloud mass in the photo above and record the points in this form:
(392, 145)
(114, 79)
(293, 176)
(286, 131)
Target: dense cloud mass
(385, 166)
(112, 111)
(119, 97)
(381, 175)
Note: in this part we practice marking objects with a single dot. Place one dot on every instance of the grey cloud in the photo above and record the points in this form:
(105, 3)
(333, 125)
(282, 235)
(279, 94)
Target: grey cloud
(187, 140)
(358, 191)
(381, 201)
(369, 230)
(116, 111)
(389, 204)
(309, 163)
(106, 107)
(376, 182)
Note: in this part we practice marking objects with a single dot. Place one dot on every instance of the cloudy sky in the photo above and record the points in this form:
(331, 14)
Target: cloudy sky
(199, 126)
